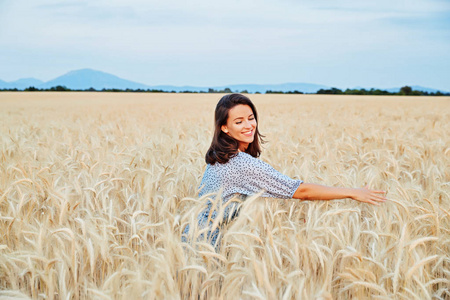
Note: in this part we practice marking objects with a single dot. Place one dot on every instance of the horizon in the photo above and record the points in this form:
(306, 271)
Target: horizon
(344, 45)
(223, 86)
(82, 69)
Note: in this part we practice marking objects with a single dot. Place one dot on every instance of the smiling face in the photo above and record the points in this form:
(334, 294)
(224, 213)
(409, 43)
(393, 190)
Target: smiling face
(241, 125)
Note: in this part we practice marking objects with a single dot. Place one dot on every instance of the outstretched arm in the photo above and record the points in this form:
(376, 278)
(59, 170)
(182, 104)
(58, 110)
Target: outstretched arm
(310, 191)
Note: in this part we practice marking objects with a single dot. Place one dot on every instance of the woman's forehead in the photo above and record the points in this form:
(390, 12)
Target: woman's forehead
(240, 110)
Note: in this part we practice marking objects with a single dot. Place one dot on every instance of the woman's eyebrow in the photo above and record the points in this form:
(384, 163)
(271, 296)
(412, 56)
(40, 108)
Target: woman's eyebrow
(243, 117)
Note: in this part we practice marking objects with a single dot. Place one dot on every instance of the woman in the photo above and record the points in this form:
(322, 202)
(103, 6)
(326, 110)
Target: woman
(233, 168)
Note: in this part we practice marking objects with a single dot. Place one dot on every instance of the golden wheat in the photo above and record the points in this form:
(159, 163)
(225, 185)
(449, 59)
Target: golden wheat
(96, 189)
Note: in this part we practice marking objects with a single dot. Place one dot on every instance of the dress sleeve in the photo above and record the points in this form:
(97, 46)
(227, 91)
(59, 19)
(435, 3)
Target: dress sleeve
(262, 176)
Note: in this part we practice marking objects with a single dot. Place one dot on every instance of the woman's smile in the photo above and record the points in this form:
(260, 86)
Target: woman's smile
(248, 133)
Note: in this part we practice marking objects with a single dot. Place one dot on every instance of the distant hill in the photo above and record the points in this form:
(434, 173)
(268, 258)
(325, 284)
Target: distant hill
(25, 83)
(87, 78)
(175, 88)
(4, 85)
(251, 88)
(284, 87)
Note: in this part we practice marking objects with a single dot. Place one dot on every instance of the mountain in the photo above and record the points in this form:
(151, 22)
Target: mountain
(284, 87)
(87, 78)
(251, 88)
(5, 85)
(189, 88)
(24, 83)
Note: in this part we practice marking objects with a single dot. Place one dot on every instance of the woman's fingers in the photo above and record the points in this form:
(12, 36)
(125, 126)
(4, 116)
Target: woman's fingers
(374, 197)
(379, 191)
(379, 200)
(378, 197)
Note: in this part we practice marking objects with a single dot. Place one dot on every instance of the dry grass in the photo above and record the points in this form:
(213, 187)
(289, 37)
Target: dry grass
(95, 190)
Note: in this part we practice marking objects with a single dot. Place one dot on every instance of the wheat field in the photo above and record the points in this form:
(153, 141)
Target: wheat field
(96, 189)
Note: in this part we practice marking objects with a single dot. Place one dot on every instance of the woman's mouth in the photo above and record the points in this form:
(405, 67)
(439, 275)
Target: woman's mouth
(248, 133)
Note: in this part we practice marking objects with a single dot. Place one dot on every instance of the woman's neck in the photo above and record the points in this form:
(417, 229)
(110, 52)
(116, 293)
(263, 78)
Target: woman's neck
(242, 147)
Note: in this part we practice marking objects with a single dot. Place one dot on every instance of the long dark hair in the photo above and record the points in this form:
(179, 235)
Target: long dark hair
(223, 147)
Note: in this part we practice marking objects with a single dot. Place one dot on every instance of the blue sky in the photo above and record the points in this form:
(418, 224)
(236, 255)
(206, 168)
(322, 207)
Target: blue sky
(337, 43)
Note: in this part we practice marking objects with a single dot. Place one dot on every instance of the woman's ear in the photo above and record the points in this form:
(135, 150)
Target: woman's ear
(224, 128)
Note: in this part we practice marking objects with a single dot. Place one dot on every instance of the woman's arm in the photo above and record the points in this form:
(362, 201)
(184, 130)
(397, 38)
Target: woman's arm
(310, 191)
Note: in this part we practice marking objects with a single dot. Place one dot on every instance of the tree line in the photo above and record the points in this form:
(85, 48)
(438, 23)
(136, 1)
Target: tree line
(404, 91)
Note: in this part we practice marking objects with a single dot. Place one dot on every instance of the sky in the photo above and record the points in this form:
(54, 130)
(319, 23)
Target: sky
(340, 43)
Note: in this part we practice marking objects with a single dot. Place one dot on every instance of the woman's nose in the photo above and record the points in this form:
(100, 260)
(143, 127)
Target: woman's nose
(247, 124)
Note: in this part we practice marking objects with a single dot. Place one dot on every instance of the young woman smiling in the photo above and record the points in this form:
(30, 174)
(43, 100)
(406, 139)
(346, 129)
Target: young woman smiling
(233, 167)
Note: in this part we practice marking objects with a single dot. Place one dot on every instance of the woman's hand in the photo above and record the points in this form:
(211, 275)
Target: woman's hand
(368, 196)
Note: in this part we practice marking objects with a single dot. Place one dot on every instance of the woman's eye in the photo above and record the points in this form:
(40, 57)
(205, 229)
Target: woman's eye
(239, 122)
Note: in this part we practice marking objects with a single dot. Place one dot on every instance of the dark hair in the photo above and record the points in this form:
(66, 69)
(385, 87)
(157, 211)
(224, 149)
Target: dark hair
(223, 147)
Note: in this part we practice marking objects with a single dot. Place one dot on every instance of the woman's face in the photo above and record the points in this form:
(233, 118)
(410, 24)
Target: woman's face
(241, 125)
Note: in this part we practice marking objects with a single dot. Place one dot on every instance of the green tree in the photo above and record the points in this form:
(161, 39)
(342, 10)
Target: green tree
(31, 89)
(334, 91)
(406, 90)
(59, 88)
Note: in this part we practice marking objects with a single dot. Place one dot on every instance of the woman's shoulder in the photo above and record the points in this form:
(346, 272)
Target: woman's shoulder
(239, 159)
(244, 157)
(247, 161)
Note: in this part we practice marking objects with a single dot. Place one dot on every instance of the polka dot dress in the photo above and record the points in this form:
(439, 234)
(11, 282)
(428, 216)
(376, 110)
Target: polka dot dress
(241, 176)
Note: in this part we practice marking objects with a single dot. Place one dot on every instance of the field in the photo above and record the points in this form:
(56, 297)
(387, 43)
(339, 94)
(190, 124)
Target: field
(96, 188)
